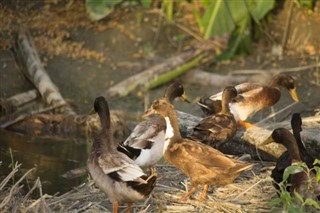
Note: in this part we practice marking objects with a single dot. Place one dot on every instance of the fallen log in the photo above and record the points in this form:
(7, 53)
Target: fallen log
(79, 127)
(248, 141)
(11, 104)
(29, 62)
(145, 78)
(195, 76)
(167, 70)
(74, 127)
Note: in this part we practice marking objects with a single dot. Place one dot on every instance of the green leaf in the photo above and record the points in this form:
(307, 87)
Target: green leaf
(291, 170)
(217, 19)
(275, 201)
(311, 202)
(261, 8)
(99, 9)
(317, 169)
(146, 3)
(306, 3)
(298, 196)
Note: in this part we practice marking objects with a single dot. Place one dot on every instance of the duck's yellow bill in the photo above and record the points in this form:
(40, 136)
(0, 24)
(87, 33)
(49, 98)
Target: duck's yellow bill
(267, 141)
(293, 94)
(185, 97)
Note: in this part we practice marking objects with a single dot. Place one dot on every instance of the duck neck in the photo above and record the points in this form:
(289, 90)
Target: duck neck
(275, 82)
(225, 105)
(169, 97)
(104, 138)
(294, 152)
(172, 127)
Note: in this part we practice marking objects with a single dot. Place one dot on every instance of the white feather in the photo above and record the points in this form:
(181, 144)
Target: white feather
(151, 156)
(130, 172)
(169, 134)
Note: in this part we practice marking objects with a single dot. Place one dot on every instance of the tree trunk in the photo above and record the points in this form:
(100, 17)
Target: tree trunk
(28, 59)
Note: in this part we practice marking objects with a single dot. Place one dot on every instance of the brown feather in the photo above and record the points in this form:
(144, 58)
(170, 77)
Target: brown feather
(202, 163)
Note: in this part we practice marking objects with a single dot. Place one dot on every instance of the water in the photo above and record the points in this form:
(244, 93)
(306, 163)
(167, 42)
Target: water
(50, 158)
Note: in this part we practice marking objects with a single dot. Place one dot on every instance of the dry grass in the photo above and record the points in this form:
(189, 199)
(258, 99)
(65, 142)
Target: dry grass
(251, 192)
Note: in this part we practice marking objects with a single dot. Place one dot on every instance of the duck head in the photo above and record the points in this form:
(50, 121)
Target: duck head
(287, 82)
(159, 106)
(174, 91)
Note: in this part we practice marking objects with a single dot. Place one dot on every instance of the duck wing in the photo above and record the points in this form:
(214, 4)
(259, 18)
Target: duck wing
(194, 152)
(241, 88)
(118, 164)
(144, 134)
(215, 129)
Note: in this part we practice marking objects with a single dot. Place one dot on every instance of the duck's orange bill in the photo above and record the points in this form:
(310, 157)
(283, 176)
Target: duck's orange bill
(246, 124)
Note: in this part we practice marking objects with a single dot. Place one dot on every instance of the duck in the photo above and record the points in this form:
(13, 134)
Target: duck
(285, 159)
(300, 181)
(112, 171)
(255, 98)
(203, 164)
(145, 144)
(217, 129)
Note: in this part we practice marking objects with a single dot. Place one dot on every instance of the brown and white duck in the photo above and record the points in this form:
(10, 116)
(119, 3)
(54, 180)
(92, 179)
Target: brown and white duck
(202, 163)
(112, 171)
(145, 143)
(255, 97)
(217, 129)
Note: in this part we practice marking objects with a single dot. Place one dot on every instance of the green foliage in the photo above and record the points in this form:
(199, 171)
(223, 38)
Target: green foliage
(239, 18)
(146, 3)
(306, 3)
(99, 9)
(234, 17)
(295, 203)
(167, 6)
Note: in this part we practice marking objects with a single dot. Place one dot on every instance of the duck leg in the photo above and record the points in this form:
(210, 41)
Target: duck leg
(129, 208)
(204, 192)
(115, 207)
(188, 194)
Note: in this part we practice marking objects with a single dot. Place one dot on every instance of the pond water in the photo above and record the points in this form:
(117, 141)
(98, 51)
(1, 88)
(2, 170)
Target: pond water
(50, 159)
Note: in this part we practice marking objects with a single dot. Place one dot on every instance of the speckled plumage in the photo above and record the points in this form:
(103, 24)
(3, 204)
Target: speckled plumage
(202, 163)
(217, 129)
